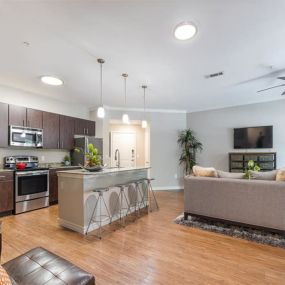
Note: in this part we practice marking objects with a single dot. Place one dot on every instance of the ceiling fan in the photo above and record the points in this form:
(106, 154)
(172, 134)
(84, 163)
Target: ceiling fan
(281, 78)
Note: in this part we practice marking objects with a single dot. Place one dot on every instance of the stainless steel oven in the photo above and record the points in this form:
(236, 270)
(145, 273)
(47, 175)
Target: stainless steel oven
(25, 137)
(31, 190)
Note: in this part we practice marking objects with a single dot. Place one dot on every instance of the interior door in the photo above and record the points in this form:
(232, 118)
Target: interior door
(126, 144)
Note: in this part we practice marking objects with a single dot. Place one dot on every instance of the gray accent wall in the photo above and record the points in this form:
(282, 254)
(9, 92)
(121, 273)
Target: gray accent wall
(215, 130)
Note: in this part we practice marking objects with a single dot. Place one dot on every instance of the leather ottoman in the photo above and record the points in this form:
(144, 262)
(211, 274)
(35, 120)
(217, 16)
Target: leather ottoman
(39, 266)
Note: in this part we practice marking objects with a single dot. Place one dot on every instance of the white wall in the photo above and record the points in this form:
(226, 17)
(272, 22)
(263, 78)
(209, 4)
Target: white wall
(215, 130)
(164, 151)
(21, 98)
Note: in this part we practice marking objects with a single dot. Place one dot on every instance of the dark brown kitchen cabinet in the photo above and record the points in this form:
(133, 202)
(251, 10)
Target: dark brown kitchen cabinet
(50, 130)
(66, 132)
(91, 128)
(17, 115)
(84, 127)
(4, 125)
(34, 119)
(53, 187)
(6, 192)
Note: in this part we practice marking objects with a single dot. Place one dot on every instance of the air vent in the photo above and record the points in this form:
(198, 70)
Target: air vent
(214, 74)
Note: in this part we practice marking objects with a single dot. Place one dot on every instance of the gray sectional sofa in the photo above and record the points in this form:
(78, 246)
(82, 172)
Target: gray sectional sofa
(251, 202)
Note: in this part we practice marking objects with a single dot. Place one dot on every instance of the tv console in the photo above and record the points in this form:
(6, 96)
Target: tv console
(238, 160)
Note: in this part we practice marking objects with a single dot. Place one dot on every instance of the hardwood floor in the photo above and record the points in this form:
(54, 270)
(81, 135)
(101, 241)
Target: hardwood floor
(152, 250)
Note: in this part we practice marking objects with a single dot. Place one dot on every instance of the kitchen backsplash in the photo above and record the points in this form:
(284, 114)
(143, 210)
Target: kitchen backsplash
(45, 156)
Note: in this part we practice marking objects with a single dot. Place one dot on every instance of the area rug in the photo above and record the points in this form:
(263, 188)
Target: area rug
(250, 234)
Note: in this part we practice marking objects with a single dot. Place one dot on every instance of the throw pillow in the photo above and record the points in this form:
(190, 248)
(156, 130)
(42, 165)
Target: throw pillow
(267, 175)
(204, 171)
(232, 175)
(4, 277)
(280, 175)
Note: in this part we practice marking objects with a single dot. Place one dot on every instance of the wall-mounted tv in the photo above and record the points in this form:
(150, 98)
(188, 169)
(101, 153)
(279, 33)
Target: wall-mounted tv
(254, 137)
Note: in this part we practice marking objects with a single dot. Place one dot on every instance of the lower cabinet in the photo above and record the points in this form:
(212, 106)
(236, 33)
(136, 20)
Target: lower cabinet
(6, 192)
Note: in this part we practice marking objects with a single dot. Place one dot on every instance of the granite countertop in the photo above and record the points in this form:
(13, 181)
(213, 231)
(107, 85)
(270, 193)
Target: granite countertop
(57, 166)
(84, 172)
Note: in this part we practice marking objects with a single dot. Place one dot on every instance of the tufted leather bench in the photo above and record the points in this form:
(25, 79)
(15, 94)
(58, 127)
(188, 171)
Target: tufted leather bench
(39, 266)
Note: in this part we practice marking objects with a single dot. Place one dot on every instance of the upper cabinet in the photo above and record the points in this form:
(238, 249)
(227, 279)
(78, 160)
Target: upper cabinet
(3, 125)
(84, 127)
(17, 115)
(21, 116)
(34, 119)
(66, 132)
(50, 130)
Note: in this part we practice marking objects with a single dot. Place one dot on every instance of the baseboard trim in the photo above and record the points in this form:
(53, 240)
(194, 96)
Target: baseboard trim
(168, 188)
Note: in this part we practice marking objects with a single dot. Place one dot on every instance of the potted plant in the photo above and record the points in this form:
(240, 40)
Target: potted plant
(251, 166)
(66, 160)
(93, 160)
(189, 145)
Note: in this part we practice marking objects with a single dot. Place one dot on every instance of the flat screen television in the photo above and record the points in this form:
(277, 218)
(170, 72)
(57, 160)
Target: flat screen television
(254, 137)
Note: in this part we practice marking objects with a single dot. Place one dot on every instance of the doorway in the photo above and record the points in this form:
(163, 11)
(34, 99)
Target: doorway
(125, 143)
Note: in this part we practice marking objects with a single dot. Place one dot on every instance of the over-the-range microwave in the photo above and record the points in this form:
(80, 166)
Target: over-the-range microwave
(25, 137)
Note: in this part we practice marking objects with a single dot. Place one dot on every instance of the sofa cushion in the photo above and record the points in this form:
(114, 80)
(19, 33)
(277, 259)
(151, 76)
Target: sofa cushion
(280, 175)
(204, 171)
(232, 175)
(4, 277)
(266, 175)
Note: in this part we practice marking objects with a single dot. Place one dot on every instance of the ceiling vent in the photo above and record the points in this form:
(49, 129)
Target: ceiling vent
(221, 73)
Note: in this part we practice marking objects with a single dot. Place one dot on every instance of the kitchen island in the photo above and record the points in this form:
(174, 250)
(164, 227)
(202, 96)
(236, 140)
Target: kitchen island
(76, 199)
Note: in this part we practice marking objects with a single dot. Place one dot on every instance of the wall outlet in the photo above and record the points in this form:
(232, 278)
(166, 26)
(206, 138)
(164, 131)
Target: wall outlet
(175, 176)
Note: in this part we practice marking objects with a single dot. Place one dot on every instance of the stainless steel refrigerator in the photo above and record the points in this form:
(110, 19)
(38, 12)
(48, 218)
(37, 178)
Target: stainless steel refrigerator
(82, 143)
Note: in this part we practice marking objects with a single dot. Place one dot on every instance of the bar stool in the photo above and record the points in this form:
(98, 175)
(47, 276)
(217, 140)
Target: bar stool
(97, 219)
(151, 193)
(121, 198)
(139, 196)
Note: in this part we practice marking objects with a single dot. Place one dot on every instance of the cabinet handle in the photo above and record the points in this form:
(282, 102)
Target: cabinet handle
(23, 123)
(87, 131)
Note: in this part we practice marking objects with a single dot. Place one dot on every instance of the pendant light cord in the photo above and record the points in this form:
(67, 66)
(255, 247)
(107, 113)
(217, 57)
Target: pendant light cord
(144, 87)
(101, 84)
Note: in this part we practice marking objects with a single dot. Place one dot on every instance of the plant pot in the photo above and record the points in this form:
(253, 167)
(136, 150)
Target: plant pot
(94, 168)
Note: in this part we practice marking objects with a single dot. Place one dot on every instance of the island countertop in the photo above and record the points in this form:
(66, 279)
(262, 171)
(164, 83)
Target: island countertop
(112, 170)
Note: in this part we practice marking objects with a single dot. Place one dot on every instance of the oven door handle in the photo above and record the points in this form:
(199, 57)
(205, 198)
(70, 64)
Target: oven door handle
(21, 174)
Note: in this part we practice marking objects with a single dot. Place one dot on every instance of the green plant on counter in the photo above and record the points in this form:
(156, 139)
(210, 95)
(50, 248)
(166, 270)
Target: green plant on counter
(189, 146)
(93, 159)
(251, 166)
(66, 160)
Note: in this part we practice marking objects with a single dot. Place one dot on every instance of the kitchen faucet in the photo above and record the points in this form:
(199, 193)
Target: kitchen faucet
(118, 157)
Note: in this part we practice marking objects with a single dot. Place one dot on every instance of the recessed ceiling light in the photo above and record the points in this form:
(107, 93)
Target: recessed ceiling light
(185, 31)
(51, 80)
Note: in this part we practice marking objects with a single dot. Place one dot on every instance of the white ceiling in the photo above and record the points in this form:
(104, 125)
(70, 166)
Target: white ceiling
(242, 38)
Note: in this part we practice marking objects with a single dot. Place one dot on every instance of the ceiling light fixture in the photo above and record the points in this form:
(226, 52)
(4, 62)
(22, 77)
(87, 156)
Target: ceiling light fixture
(144, 121)
(185, 31)
(51, 80)
(125, 117)
(101, 110)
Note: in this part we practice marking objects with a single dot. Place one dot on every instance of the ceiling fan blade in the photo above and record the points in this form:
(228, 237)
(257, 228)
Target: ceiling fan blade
(281, 77)
(271, 88)
(283, 93)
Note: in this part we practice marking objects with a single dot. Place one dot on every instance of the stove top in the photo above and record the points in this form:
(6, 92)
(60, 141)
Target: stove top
(31, 169)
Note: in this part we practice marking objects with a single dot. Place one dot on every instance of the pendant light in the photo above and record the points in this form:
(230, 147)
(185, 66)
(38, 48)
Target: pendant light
(125, 117)
(144, 121)
(101, 110)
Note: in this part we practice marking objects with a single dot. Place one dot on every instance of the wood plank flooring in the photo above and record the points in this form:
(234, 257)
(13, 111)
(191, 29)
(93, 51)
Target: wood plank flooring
(152, 250)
